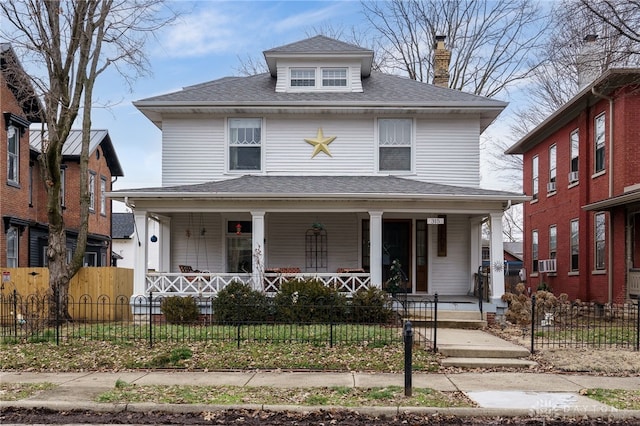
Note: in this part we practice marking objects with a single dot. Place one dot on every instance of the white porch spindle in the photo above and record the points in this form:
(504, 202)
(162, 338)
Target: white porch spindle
(375, 247)
(497, 257)
(140, 252)
(258, 248)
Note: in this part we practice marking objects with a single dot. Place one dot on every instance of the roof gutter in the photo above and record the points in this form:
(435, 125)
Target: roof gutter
(609, 224)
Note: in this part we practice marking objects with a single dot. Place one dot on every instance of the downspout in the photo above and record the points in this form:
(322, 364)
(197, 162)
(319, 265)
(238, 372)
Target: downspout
(610, 225)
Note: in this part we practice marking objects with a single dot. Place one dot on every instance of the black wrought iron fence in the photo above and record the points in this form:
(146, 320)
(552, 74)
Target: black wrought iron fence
(39, 318)
(594, 325)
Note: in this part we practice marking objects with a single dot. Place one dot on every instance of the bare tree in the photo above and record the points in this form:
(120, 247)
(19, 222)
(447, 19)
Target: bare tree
(493, 43)
(72, 43)
(621, 15)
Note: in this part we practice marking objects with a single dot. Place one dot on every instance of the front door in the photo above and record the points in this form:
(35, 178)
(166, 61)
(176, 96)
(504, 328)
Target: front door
(396, 245)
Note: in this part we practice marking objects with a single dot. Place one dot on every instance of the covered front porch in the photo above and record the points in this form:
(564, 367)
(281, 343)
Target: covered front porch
(423, 238)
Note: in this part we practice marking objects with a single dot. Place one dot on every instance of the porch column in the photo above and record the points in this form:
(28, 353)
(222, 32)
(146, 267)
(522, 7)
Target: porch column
(257, 262)
(164, 260)
(497, 257)
(375, 248)
(476, 248)
(140, 252)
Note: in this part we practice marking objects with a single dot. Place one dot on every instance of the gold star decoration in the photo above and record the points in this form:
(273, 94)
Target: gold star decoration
(320, 143)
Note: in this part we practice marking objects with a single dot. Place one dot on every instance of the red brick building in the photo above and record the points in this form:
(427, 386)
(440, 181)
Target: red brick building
(582, 170)
(23, 212)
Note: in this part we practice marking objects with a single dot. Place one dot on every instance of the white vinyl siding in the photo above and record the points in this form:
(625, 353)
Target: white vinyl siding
(193, 150)
(447, 151)
(202, 251)
(449, 275)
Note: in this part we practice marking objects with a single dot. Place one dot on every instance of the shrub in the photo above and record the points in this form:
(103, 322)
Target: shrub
(371, 305)
(180, 310)
(309, 301)
(238, 302)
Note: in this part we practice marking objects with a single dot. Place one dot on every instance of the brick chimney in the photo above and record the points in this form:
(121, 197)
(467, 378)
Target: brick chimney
(441, 60)
(588, 61)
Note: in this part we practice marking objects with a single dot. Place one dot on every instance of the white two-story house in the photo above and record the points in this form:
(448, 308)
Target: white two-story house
(320, 167)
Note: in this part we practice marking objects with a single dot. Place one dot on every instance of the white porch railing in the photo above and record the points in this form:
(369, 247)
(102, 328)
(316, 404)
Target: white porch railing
(634, 282)
(209, 284)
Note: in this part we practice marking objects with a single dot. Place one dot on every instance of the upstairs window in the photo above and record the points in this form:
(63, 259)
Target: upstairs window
(599, 139)
(534, 178)
(103, 197)
(13, 155)
(92, 191)
(303, 77)
(245, 139)
(334, 77)
(552, 169)
(394, 141)
(575, 143)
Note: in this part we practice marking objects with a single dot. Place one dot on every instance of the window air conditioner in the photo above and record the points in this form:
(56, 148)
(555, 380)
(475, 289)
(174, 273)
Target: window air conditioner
(551, 187)
(573, 176)
(547, 265)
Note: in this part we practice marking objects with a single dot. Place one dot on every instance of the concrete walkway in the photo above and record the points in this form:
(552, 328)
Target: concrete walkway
(495, 393)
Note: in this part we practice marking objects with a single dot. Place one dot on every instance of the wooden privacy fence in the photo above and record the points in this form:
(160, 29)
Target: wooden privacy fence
(88, 284)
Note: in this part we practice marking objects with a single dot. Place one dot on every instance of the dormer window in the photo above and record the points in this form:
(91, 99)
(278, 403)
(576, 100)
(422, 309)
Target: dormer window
(303, 77)
(334, 77)
(319, 78)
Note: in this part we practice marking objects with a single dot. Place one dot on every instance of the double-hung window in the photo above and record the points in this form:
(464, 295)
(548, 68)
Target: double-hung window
(553, 241)
(245, 140)
(13, 155)
(599, 239)
(534, 178)
(575, 248)
(575, 144)
(334, 77)
(303, 77)
(103, 196)
(599, 139)
(12, 247)
(394, 141)
(552, 168)
(534, 250)
(92, 191)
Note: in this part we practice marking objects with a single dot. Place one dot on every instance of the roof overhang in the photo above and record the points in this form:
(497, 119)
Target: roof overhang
(603, 85)
(613, 202)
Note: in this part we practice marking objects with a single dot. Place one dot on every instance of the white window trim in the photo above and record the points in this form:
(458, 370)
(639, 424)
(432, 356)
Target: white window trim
(571, 270)
(596, 240)
(91, 182)
(318, 86)
(103, 196)
(535, 179)
(555, 250)
(227, 139)
(412, 146)
(13, 262)
(604, 144)
(15, 180)
(535, 241)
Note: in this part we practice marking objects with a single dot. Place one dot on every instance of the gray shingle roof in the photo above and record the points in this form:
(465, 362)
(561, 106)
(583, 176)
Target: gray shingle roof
(318, 44)
(379, 90)
(310, 186)
(122, 225)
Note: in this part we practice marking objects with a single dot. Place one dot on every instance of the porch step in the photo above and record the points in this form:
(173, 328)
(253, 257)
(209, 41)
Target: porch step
(487, 362)
(467, 351)
(450, 319)
(479, 349)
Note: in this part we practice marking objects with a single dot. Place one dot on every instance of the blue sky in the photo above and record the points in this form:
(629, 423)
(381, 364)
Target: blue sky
(203, 45)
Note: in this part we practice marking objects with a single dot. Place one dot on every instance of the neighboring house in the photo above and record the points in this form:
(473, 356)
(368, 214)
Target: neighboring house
(582, 170)
(124, 239)
(320, 167)
(23, 206)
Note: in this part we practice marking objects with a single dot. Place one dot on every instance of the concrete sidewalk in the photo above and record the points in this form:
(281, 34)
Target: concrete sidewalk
(499, 393)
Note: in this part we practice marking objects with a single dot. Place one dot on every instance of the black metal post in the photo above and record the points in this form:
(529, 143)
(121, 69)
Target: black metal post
(480, 289)
(151, 319)
(637, 326)
(435, 322)
(533, 321)
(408, 347)
(15, 313)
